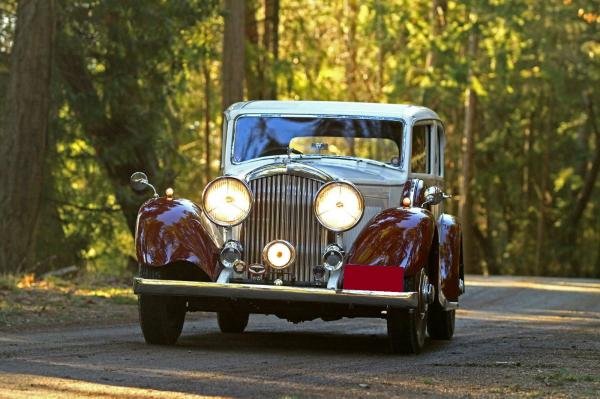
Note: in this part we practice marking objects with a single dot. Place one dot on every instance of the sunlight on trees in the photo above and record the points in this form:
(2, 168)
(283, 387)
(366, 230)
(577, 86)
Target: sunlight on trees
(137, 85)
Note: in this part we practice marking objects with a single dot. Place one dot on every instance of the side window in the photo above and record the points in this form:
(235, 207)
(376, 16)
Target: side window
(440, 150)
(419, 159)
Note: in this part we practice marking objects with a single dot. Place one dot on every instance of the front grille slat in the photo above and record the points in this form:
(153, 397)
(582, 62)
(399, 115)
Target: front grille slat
(283, 210)
(260, 232)
(294, 226)
(307, 229)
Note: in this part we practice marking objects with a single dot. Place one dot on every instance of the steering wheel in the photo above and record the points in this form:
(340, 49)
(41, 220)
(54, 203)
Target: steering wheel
(281, 151)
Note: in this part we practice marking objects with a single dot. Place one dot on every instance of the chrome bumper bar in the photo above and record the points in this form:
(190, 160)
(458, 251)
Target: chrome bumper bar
(405, 300)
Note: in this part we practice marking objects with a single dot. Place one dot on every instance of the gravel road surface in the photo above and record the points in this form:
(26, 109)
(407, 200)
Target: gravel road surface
(515, 337)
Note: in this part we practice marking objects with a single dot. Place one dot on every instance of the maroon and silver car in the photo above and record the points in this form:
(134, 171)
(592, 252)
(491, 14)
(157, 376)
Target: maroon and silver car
(323, 210)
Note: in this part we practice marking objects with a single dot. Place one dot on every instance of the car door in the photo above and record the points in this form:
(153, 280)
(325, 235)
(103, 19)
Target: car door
(426, 157)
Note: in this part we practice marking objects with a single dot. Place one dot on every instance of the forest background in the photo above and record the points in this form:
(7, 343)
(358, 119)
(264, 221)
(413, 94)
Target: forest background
(91, 91)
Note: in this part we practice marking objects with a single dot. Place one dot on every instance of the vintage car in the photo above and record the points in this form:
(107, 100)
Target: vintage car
(323, 210)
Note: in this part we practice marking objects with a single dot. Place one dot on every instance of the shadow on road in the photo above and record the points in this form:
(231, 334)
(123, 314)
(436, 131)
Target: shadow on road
(296, 342)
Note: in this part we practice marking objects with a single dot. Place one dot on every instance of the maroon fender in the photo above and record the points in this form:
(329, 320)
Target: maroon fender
(170, 230)
(395, 237)
(450, 256)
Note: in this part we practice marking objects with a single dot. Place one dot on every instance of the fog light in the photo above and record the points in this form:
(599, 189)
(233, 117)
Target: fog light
(279, 254)
(333, 257)
(231, 253)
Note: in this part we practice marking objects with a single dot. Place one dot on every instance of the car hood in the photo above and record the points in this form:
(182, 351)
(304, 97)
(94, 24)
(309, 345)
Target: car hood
(357, 171)
(381, 186)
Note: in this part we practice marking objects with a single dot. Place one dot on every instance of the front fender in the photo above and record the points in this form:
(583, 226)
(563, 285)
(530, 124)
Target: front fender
(171, 230)
(450, 257)
(400, 237)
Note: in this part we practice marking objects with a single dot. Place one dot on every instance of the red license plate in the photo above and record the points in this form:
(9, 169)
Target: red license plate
(374, 278)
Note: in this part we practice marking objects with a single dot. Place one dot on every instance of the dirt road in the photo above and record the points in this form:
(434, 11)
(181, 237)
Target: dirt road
(516, 337)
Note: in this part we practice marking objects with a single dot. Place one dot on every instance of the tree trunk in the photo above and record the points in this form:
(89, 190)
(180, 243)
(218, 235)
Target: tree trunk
(233, 52)
(351, 61)
(437, 16)
(24, 134)
(380, 35)
(467, 177)
(254, 57)
(271, 47)
(597, 266)
(207, 96)
(591, 169)
(591, 172)
(540, 232)
(110, 137)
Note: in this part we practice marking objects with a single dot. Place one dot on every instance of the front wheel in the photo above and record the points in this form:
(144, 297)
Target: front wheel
(406, 328)
(406, 331)
(161, 317)
(232, 322)
(440, 324)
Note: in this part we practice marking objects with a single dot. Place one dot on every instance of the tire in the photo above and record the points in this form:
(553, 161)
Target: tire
(161, 317)
(232, 322)
(406, 329)
(440, 323)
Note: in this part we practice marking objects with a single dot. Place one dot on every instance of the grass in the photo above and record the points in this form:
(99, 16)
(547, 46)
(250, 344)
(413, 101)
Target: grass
(85, 299)
(563, 377)
(8, 282)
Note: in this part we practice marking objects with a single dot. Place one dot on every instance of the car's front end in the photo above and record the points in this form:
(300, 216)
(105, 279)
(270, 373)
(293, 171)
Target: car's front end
(314, 217)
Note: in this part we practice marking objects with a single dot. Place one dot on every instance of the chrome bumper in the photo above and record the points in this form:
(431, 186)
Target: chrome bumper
(406, 300)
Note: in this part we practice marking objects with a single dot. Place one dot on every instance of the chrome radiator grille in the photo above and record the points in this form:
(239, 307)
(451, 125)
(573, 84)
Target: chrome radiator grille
(283, 209)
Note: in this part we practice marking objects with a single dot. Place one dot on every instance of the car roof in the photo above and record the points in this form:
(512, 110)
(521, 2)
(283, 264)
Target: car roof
(404, 111)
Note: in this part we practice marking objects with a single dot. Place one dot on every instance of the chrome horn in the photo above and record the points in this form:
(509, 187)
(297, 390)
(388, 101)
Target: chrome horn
(433, 196)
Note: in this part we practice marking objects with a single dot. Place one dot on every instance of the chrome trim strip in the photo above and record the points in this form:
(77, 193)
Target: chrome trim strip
(407, 300)
(292, 168)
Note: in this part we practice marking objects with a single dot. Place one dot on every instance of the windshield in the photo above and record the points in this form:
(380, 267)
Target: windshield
(261, 136)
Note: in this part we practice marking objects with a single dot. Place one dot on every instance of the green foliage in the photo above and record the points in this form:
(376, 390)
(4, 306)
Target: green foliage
(122, 68)
(537, 120)
(138, 87)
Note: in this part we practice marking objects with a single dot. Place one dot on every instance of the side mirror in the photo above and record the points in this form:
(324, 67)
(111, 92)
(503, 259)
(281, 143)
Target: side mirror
(433, 196)
(139, 182)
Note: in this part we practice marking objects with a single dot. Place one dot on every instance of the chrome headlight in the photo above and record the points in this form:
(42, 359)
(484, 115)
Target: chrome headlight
(339, 206)
(279, 254)
(227, 201)
(333, 257)
(230, 254)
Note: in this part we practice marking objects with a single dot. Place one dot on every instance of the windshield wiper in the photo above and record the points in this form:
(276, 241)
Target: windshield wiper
(291, 151)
